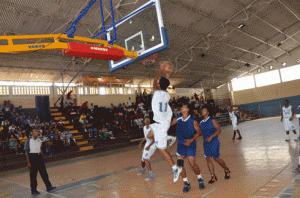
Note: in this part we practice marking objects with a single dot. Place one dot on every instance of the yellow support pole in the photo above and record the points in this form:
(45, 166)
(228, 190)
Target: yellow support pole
(56, 45)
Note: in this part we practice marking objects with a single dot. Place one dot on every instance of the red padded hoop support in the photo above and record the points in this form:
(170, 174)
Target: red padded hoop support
(93, 51)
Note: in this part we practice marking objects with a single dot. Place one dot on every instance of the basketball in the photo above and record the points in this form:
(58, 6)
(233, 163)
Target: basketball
(167, 67)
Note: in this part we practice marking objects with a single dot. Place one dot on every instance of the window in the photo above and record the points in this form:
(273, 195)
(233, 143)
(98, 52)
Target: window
(108, 91)
(268, 78)
(129, 90)
(94, 90)
(102, 91)
(4, 90)
(60, 90)
(80, 90)
(290, 73)
(120, 90)
(243, 83)
(16, 90)
(113, 90)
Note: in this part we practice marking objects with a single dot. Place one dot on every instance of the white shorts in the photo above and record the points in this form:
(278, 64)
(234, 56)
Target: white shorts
(148, 154)
(160, 132)
(234, 125)
(288, 125)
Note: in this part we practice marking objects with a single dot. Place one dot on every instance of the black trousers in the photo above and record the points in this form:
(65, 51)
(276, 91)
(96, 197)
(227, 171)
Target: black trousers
(38, 165)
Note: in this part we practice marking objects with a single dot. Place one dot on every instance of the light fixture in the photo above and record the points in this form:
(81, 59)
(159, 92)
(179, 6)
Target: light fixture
(203, 55)
(259, 70)
(271, 67)
(298, 60)
(283, 64)
(247, 65)
(241, 26)
(279, 44)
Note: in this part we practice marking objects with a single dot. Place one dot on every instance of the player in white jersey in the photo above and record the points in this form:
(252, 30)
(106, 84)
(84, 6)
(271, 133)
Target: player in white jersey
(234, 121)
(287, 116)
(162, 116)
(149, 150)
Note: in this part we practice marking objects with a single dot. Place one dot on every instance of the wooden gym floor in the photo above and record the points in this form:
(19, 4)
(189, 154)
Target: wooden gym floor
(261, 165)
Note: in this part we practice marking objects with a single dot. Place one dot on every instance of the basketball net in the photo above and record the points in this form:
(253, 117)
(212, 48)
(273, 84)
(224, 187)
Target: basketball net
(149, 60)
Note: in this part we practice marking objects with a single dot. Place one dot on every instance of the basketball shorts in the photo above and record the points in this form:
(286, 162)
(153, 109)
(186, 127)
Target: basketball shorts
(187, 150)
(148, 154)
(212, 150)
(234, 125)
(160, 132)
(288, 125)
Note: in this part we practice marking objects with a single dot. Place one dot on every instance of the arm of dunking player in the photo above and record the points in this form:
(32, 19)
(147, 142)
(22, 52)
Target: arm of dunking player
(155, 83)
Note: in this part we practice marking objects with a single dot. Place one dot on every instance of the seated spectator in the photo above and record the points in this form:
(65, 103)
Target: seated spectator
(61, 122)
(63, 138)
(32, 124)
(12, 128)
(70, 137)
(83, 119)
(36, 120)
(5, 123)
(20, 110)
(84, 129)
(12, 143)
(49, 146)
(103, 136)
(52, 135)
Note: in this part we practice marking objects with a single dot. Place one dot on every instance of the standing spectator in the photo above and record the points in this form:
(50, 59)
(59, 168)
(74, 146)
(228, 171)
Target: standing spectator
(69, 98)
(35, 162)
(83, 107)
(129, 102)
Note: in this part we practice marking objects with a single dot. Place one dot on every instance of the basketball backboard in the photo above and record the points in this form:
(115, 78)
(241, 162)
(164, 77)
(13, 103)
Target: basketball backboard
(142, 31)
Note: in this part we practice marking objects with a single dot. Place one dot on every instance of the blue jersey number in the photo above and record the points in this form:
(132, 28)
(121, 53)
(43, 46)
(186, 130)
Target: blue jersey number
(161, 105)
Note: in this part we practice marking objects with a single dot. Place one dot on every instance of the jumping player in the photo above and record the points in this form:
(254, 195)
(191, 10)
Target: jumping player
(287, 115)
(211, 130)
(149, 150)
(187, 131)
(162, 116)
(234, 121)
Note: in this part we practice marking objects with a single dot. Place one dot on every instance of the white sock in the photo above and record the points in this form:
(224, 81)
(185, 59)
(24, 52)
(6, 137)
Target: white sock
(199, 176)
(185, 180)
(174, 167)
(287, 137)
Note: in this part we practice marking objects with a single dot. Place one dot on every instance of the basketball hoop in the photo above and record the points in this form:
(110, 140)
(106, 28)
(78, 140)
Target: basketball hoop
(149, 60)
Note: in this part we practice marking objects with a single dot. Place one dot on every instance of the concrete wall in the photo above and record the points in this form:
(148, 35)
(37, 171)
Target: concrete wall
(271, 92)
(106, 100)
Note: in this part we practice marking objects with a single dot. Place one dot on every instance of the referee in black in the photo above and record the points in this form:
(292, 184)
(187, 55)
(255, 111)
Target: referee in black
(33, 153)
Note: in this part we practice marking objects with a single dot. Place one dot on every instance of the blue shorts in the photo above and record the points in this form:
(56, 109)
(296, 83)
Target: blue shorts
(187, 150)
(212, 150)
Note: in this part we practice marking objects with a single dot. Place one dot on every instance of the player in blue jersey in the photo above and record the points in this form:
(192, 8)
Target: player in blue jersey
(187, 131)
(210, 130)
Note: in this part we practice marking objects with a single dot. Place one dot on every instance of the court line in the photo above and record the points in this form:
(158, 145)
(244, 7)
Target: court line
(213, 189)
(30, 188)
(272, 178)
(91, 180)
(283, 190)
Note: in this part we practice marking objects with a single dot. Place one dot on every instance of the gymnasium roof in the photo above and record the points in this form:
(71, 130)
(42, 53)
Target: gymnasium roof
(211, 41)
